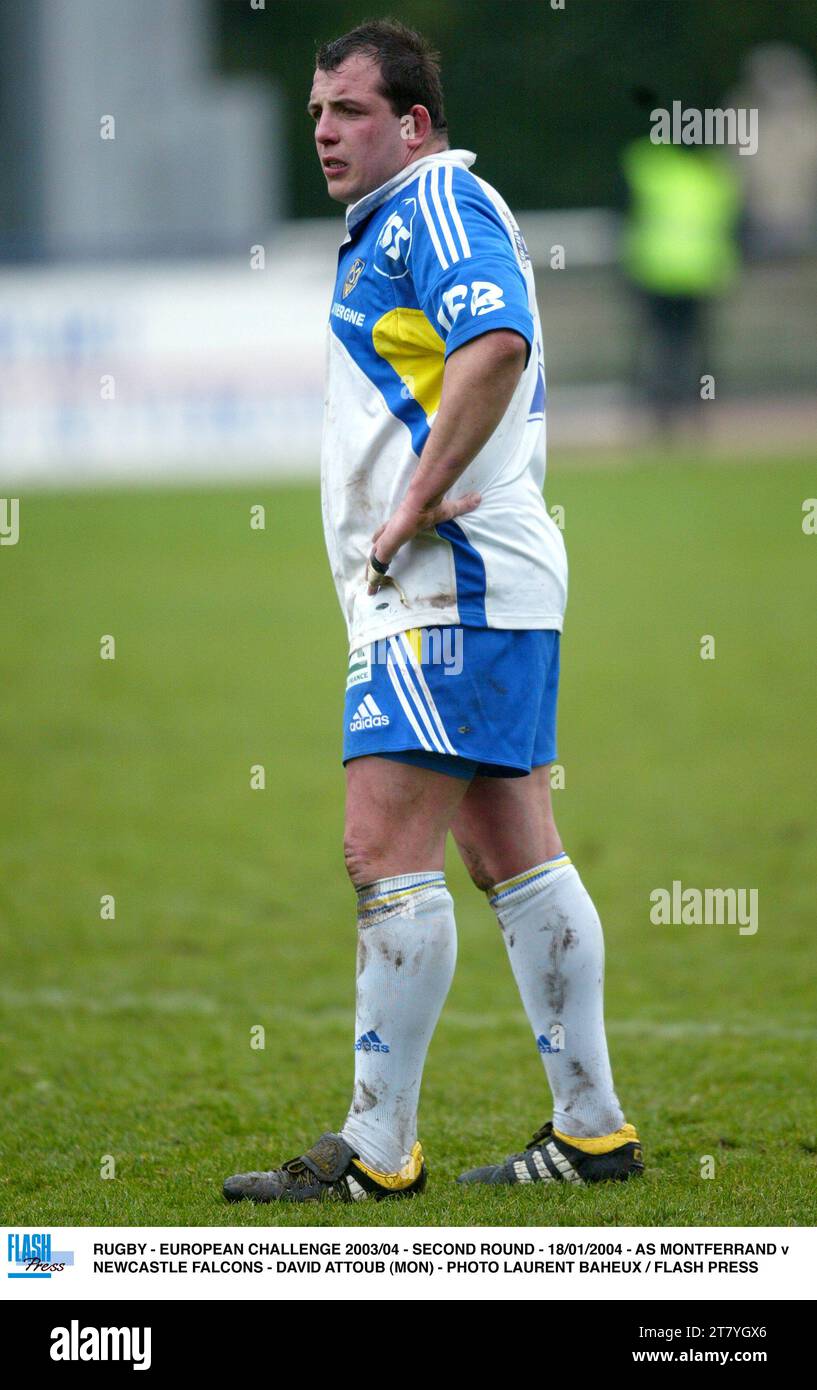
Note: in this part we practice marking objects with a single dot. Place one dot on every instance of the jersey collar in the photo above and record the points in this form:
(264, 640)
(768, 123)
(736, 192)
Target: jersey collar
(359, 211)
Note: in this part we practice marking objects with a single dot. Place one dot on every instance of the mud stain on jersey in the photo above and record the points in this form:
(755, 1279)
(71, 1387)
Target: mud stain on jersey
(442, 600)
(360, 501)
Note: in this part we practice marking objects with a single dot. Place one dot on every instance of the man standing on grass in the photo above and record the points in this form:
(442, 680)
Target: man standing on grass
(452, 578)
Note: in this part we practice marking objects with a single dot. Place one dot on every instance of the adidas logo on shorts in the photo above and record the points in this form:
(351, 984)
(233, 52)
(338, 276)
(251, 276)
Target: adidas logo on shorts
(368, 716)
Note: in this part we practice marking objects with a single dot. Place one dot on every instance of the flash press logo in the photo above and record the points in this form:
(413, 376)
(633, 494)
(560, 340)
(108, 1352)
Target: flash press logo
(30, 1256)
(75, 1343)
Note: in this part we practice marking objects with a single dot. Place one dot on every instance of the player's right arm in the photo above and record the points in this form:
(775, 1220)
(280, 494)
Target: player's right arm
(473, 293)
(478, 383)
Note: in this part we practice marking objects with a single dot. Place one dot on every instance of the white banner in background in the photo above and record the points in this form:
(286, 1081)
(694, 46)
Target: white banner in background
(147, 372)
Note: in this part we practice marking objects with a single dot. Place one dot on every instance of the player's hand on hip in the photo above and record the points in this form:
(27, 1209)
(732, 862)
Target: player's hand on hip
(404, 524)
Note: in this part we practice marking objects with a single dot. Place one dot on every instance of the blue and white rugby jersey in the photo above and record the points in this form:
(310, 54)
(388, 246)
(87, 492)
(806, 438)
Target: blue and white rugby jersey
(432, 259)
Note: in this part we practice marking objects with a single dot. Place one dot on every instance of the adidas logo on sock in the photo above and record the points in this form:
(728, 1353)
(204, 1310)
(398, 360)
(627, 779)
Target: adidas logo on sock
(368, 716)
(370, 1042)
(545, 1045)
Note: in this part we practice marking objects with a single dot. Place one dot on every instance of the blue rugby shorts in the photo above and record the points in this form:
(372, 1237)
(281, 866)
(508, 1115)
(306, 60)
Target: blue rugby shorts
(458, 700)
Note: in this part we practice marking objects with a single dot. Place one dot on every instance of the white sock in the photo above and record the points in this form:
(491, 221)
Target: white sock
(555, 945)
(407, 950)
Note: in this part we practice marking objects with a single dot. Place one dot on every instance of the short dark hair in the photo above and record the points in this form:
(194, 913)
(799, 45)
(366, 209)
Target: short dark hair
(409, 66)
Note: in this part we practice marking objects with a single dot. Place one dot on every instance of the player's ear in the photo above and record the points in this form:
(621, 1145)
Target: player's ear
(407, 130)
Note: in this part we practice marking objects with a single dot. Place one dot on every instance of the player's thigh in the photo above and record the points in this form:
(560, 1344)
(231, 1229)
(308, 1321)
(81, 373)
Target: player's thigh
(397, 817)
(504, 825)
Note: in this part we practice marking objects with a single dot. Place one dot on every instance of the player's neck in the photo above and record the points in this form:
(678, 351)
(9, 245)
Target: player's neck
(430, 148)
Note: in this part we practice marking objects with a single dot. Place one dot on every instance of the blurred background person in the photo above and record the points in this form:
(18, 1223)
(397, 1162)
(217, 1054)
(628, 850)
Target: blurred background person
(679, 250)
(780, 180)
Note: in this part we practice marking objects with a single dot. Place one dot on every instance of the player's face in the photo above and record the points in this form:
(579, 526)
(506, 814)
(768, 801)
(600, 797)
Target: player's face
(356, 132)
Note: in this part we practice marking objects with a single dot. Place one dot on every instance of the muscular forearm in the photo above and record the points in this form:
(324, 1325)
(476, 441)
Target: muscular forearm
(479, 381)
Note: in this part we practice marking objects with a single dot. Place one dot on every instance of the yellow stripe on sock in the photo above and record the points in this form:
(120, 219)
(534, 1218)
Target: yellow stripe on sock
(367, 904)
(604, 1144)
(408, 1174)
(509, 883)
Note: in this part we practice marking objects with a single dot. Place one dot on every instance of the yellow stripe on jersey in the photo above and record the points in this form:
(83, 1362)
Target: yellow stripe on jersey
(407, 341)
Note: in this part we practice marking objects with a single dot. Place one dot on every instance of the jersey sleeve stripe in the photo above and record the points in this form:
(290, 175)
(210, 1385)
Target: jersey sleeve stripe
(455, 212)
(446, 230)
(435, 240)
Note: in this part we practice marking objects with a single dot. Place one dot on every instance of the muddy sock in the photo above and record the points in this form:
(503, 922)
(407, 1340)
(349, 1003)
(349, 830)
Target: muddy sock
(555, 944)
(407, 949)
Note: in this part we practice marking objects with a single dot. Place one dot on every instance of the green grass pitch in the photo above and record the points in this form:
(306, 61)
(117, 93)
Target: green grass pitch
(131, 1038)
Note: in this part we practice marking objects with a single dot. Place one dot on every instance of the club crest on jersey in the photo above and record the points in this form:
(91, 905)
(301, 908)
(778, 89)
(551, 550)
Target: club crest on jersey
(355, 271)
(393, 245)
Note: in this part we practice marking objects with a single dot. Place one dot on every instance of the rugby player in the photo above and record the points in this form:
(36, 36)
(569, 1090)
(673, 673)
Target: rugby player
(452, 579)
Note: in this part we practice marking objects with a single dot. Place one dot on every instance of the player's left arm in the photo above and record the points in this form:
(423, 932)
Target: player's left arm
(478, 383)
(469, 282)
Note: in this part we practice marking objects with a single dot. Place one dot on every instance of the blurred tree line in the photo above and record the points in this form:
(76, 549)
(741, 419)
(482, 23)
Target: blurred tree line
(547, 97)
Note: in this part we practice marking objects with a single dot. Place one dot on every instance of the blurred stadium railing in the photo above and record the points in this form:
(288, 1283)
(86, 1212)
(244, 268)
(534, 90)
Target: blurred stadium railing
(151, 370)
(138, 344)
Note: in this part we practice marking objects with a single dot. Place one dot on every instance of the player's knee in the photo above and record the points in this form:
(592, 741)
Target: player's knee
(481, 877)
(361, 859)
(476, 863)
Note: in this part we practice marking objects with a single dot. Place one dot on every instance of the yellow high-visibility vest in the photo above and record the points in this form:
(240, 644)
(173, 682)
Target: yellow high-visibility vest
(680, 234)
